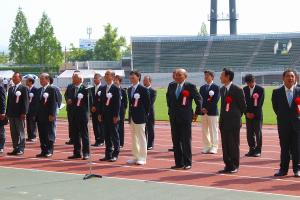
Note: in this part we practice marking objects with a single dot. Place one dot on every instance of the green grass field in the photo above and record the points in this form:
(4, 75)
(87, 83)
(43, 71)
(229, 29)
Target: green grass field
(162, 114)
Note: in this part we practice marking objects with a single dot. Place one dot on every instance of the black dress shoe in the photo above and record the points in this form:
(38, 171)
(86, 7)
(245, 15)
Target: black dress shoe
(171, 150)
(187, 167)
(280, 173)
(40, 155)
(113, 159)
(1, 151)
(249, 154)
(256, 155)
(74, 156)
(149, 148)
(48, 155)
(177, 167)
(96, 145)
(12, 153)
(19, 153)
(105, 159)
(297, 174)
(69, 142)
(85, 157)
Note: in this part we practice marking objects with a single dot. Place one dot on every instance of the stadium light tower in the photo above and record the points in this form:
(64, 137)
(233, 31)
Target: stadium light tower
(231, 17)
(89, 32)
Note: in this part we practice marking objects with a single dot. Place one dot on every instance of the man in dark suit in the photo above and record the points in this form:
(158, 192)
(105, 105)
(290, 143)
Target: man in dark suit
(31, 115)
(180, 97)
(233, 106)
(95, 93)
(16, 110)
(151, 117)
(210, 93)
(286, 104)
(2, 118)
(123, 107)
(109, 112)
(139, 108)
(80, 119)
(254, 95)
(168, 104)
(46, 114)
(69, 95)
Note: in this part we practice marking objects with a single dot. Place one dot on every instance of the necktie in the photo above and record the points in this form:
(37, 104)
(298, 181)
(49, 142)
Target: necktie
(178, 90)
(225, 92)
(207, 88)
(107, 88)
(132, 91)
(42, 92)
(76, 91)
(14, 89)
(290, 97)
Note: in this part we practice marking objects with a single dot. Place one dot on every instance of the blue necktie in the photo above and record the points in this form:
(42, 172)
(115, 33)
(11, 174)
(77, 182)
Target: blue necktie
(290, 97)
(178, 90)
(132, 91)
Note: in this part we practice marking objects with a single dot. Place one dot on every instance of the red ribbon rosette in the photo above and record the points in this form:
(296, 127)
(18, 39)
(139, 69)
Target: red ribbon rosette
(228, 101)
(297, 101)
(255, 97)
(185, 94)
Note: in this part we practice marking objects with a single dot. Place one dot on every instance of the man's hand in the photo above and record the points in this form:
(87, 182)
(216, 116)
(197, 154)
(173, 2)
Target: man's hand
(93, 109)
(204, 111)
(51, 118)
(250, 115)
(69, 101)
(99, 118)
(23, 116)
(195, 116)
(115, 120)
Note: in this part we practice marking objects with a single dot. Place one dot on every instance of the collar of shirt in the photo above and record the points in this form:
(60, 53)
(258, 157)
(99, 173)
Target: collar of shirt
(78, 86)
(136, 85)
(45, 87)
(30, 88)
(148, 87)
(210, 83)
(97, 86)
(228, 86)
(291, 89)
(17, 85)
(181, 84)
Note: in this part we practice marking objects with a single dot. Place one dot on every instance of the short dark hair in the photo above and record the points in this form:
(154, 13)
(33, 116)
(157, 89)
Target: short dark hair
(51, 80)
(137, 73)
(20, 75)
(119, 78)
(228, 73)
(288, 71)
(249, 78)
(211, 73)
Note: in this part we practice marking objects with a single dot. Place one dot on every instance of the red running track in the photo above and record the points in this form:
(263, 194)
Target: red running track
(256, 174)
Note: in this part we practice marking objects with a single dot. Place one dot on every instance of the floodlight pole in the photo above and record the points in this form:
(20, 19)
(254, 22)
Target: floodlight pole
(90, 174)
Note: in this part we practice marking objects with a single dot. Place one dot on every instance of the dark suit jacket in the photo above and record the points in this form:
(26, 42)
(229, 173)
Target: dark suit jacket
(14, 109)
(168, 100)
(58, 96)
(113, 109)
(232, 119)
(2, 104)
(181, 112)
(152, 94)
(140, 113)
(81, 112)
(210, 106)
(124, 102)
(95, 98)
(48, 108)
(34, 102)
(286, 116)
(69, 94)
(256, 110)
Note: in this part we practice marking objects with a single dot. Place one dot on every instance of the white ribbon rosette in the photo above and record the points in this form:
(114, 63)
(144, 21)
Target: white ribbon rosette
(99, 93)
(211, 93)
(108, 96)
(18, 94)
(255, 97)
(31, 95)
(46, 95)
(79, 98)
(136, 97)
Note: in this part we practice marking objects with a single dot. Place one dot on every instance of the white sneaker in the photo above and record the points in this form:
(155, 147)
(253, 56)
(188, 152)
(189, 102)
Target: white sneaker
(132, 161)
(205, 150)
(213, 150)
(140, 162)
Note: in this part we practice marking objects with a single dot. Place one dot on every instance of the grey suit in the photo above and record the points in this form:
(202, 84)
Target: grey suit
(230, 124)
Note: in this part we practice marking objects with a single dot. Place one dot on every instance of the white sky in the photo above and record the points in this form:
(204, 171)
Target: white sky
(70, 18)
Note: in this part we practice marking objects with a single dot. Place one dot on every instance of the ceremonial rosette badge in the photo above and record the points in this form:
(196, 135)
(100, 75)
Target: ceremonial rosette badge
(255, 97)
(297, 101)
(228, 101)
(185, 94)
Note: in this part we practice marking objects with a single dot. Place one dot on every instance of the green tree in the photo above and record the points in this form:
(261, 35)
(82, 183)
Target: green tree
(19, 40)
(109, 47)
(3, 58)
(203, 30)
(127, 51)
(78, 54)
(46, 49)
